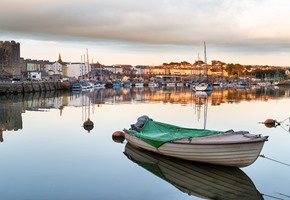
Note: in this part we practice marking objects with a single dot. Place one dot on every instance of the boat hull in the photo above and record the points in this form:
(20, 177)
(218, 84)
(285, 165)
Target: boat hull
(139, 84)
(153, 84)
(228, 150)
(203, 87)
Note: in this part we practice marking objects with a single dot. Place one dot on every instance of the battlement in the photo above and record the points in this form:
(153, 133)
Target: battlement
(6, 44)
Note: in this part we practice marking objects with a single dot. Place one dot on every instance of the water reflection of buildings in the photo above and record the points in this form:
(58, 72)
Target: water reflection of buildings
(44, 101)
(12, 107)
(10, 116)
(185, 96)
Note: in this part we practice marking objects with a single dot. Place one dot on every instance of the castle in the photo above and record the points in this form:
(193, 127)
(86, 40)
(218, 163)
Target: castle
(10, 61)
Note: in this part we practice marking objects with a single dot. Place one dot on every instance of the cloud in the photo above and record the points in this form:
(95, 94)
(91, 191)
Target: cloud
(229, 25)
(156, 22)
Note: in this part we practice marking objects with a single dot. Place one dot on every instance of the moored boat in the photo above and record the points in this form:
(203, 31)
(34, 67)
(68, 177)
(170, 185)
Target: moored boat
(117, 84)
(87, 85)
(179, 84)
(203, 86)
(153, 84)
(127, 84)
(99, 84)
(170, 84)
(138, 84)
(76, 87)
(228, 148)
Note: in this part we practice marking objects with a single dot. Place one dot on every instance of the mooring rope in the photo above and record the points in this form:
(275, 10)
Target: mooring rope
(285, 195)
(275, 160)
(272, 196)
(288, 118)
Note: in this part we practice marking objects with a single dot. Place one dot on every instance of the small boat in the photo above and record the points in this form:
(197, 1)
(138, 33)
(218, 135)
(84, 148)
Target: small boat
(153, 84)
(242, 84)
(179, 84)
(170, 84)
(127, 84)
(203, 94)
(217, 84)
(76, 87)
(138, 84)
(264, 84)
(99, 84)
(201, 180)
(117, 84)
(203, 86)
(228, 148)
(86, 85)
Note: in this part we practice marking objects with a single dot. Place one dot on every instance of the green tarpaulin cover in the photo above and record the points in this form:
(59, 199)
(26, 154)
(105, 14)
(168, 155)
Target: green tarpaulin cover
(157, 133)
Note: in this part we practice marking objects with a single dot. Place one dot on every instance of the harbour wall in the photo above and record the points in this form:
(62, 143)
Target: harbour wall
(32, 87)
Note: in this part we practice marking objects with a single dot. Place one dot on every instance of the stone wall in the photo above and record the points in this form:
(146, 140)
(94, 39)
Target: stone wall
(10, 58)
(32, 87)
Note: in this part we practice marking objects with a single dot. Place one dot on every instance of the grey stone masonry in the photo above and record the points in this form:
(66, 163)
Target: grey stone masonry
(31, 87)
(10, 58)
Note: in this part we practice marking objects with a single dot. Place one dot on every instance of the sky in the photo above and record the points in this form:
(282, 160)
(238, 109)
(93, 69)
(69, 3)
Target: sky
(149, 32)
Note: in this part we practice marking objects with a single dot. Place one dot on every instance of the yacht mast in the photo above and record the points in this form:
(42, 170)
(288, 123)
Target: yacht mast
(205, 60)
(88, 64)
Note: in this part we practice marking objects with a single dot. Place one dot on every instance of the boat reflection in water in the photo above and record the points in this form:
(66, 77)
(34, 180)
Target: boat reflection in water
(198, 179)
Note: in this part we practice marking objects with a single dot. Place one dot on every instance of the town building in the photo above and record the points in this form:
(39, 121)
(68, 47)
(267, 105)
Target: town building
(12, 66)
(78, 70)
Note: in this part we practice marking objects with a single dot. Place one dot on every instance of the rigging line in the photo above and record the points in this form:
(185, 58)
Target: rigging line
(285, 129)
(271, 196)
(283, 194)
(275, 160)
(288, 118)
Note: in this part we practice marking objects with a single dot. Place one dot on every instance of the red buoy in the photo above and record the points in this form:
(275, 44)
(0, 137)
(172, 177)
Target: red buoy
(118, 136)
(270, 123)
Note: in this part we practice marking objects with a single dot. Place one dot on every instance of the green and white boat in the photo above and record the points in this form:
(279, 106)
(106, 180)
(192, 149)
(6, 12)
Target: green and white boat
(229, 148)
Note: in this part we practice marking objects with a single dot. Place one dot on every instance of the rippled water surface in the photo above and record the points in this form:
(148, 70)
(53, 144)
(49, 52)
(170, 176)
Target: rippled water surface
(48, 152)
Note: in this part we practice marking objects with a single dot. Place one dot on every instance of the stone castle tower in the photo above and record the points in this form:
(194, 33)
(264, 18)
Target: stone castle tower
(10, 58)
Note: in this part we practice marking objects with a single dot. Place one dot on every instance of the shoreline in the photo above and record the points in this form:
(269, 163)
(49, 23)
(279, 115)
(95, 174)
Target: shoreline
(31, 87)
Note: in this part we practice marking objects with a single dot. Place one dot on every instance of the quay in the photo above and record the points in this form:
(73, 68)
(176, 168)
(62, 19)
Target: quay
(32, 86)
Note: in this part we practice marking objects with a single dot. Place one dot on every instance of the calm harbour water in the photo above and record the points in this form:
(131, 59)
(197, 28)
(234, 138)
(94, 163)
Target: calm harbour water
(46, 153)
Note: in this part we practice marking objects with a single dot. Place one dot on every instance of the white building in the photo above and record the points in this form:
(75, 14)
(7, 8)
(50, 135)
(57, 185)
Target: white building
(55, 68)
(140, 69)
(34, 75)
(115, 69)
(77, 70)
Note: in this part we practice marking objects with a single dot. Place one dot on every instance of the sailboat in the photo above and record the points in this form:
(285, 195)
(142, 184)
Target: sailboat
(204, 85)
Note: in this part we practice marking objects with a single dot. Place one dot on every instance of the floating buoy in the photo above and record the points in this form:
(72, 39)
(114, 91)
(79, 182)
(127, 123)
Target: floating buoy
(88, 125)
(118, 136)
(270, 123)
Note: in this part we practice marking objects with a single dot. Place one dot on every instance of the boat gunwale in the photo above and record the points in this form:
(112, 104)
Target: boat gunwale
(236, 162)
(200, 140)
